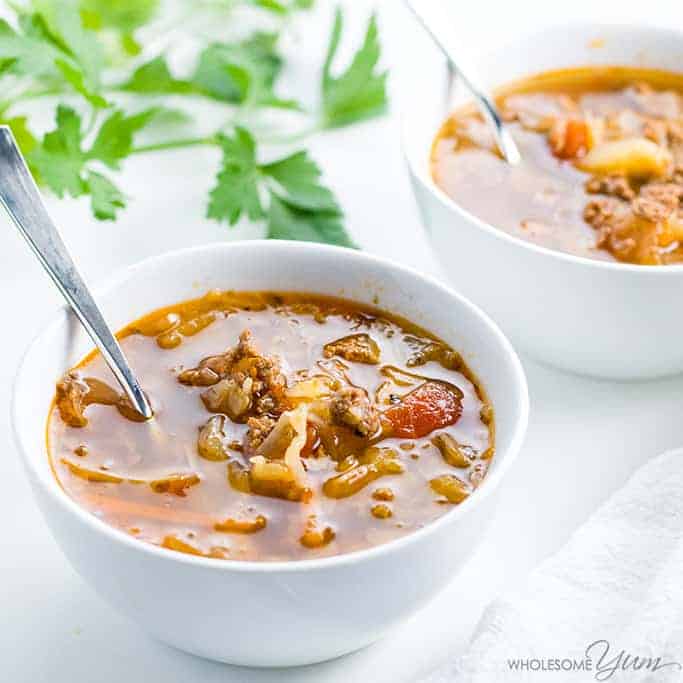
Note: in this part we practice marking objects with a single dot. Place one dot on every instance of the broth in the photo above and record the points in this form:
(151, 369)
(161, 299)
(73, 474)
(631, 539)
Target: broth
(602, 163)
(287, 427)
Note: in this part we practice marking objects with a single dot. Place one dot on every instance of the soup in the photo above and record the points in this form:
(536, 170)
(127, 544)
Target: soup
(602, 163)
(286, 427)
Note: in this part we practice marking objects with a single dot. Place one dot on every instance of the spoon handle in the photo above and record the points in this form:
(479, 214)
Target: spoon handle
(439, 33)
(20, 197)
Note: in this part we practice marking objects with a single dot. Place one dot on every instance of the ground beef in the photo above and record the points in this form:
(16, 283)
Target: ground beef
(71, 393)
(612, 219)
(214, 368)
(353, 408)
(657, 201)
(241, 382)
(424, 350)
(604, 212)
(613, 185)
(357, 348)
(259, 429)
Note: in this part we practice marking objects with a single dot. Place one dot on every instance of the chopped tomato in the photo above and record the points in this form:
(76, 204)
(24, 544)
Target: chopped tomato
(432, 405)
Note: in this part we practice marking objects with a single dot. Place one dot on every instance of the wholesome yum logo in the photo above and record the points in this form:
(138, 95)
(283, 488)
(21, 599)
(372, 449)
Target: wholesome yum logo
(599, 659)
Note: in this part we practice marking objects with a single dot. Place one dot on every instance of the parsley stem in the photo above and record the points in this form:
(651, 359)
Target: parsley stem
(91, 121)
(175, 144)
(293, 137)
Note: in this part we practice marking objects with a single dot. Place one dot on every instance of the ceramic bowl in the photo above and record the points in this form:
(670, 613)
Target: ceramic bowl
(593, 317)
(270, 613)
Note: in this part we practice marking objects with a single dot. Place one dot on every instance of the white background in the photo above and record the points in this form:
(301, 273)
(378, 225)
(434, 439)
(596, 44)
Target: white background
(585, 437)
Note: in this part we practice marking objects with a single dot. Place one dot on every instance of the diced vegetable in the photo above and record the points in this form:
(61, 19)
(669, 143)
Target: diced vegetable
(229, 397)
(381, 511)
(315, 535)
(175, 483)
(451, 451)
(92, 475)
(311, 389)
(433, 405)
(375, 463)
(241, 526)
(212, 443)
(177, 544)
(384, 493)
(453, 489)
(274, 479)
(570, 139)
(634, 157)
(276, 470)
(238, 476)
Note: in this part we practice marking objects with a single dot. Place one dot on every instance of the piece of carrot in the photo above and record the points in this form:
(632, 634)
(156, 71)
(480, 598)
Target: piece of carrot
(575, 142)
(120, 507)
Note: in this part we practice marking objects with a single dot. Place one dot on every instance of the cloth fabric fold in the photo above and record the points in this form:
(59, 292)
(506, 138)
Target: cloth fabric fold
(607, 606)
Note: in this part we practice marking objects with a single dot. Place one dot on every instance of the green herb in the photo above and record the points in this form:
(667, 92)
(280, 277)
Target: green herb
(154, 77)
(61, 163)
(237, 188)
(359, 92)
(82, 54)
(287, 192)
(105, 197)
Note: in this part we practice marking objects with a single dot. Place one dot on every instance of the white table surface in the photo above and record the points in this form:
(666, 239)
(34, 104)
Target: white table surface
(585, 437)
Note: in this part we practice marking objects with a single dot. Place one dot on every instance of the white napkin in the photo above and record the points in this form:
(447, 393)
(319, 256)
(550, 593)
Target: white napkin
(618, 581)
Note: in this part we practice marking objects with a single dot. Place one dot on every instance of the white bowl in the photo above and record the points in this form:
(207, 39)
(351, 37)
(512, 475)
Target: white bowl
(270, 613)
(599, 318)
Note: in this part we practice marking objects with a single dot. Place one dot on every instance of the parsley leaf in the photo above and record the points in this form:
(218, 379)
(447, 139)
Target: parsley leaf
(271, 5)
(154, 77)
(59, 159)
(298, 206)
(61, 163)
(359, 92)
(239, 73)
(28, 55)
(105, 197)
(243, 72)
(298, 179)
(62, 47)
(120, 18)
(114, 139)
(237, 188)
(283, 7)
(123, 15)
(52, 45)
(77, 79)
(65, 25)
(286, 222)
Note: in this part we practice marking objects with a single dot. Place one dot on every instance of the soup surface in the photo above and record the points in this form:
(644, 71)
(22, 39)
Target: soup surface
(286, 426)
(602, 163)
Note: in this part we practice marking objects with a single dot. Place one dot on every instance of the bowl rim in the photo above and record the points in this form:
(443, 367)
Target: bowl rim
(117, 536)
(407, 132)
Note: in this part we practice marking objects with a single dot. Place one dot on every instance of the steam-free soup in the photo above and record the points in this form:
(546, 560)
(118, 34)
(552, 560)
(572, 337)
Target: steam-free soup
(286, 427)
(602, 163)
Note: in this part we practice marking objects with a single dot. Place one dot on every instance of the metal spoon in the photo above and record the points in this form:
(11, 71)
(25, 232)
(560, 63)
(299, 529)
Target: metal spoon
(438, 33)
(20, 197)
